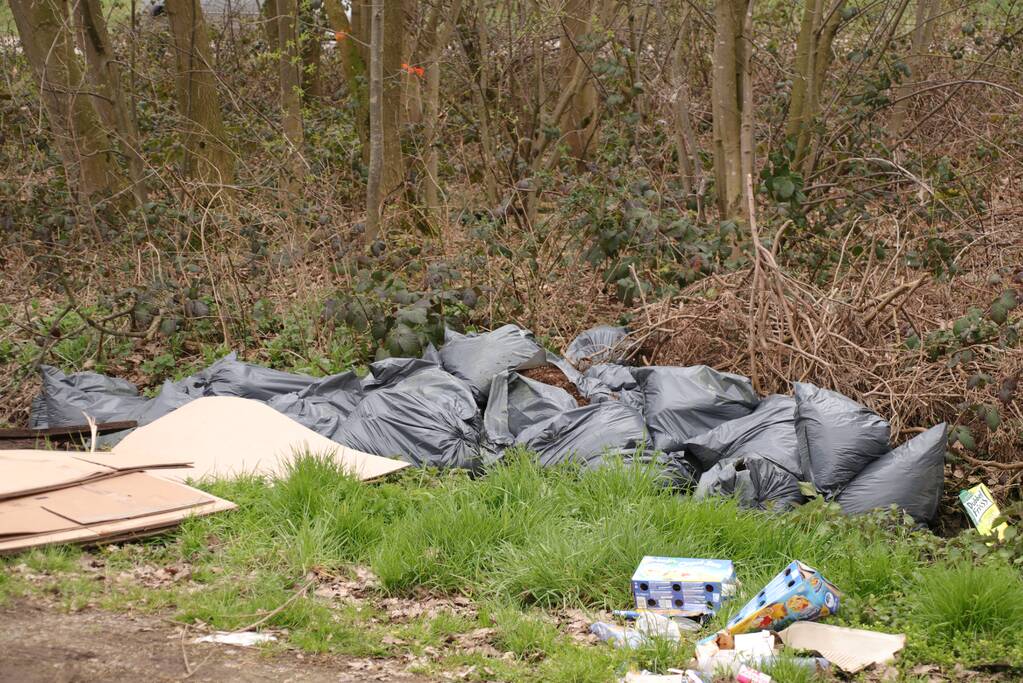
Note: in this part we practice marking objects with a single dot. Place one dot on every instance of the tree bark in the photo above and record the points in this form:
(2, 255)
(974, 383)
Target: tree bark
(291, 93)
(311, 38)
(393, 176)
(923, 30)
(376, 122)
(726, 98)
(349, 35)
(105, 79)
(207, 154)
(85, 147)
(813, 58)
(439, 42)
(579, 121)
(685, 138)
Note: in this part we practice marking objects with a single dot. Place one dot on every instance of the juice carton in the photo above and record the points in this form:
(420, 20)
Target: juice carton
(798, 592)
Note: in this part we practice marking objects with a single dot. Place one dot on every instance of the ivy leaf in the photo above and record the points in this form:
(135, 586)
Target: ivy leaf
(964, 436)
(784, 188)
(991, 416)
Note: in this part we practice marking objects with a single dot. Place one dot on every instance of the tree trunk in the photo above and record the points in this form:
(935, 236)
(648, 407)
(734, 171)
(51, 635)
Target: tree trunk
(923, 30)
(353, 64)
(393, 176)
(685, 138)
(439, 42)
(105, 79)
(269, 12)
(376, 122)
(311, 38)
(207, 155)
(85, 148)
(726, 98)
(579, 120)
(813, 58)
(291, 93)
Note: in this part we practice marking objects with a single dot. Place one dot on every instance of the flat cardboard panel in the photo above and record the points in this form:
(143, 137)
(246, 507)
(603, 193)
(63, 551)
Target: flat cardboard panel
(120, 530)
(123, 497)
(850, 649)
(224, 436)
(26, 472)
(25, 516)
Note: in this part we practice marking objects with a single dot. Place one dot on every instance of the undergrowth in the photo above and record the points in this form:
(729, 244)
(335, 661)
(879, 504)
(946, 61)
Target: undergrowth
(524, 544)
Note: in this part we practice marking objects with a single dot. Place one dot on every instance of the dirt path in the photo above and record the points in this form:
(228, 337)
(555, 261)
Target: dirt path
(40, 643)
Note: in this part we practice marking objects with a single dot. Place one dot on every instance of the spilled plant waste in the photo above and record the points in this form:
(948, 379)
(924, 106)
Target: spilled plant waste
(465, 404)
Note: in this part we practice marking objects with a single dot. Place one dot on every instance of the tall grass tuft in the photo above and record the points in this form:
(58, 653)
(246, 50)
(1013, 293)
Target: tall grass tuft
(966, 602)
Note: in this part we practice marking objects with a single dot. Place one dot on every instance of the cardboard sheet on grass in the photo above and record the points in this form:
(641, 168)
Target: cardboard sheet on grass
(850, 649)
(225, 436)
(50, 497)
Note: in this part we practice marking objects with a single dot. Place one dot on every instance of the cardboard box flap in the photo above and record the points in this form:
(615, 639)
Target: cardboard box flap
(226, 436)
(124, 497)
(119, 530)
(850, 649)
(25, 516)
(133, 462)
(26, 472)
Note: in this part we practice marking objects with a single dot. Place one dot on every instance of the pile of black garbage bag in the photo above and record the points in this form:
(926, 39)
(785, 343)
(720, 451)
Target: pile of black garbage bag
(465, 404)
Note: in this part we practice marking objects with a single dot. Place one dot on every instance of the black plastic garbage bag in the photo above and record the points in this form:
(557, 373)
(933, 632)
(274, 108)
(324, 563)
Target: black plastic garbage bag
(516, 402)
(232, 377)
(912, 477)
(836, 436)
(420, 413)
(478, 358)
(172, 396)
(682, 403)
(65, 399)
(756, 482)
(768, 432)
(598, 345)
(610, 382)
(586, 435)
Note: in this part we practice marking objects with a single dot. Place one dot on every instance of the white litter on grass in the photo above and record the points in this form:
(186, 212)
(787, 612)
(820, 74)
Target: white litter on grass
(244, 639)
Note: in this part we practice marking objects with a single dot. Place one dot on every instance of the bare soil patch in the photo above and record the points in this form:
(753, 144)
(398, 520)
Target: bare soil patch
(41, 644)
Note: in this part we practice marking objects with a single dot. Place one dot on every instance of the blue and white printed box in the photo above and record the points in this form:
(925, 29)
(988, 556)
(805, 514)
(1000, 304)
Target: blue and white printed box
(695, 585)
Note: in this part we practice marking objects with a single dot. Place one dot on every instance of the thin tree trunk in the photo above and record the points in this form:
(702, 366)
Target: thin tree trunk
(105, 79)
(311, 38)
(926, 13)
(376, 122)
(353, 65)
(269, 13)
(685, 138)
(291, 93)
(725, 99)
(746, 133)
(579, 119)
(440, 42)
(85, 147)
(394, 25)
(207, 155)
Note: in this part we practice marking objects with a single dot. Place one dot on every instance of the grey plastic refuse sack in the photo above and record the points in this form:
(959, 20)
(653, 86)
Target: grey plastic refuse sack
(516, 402)
(478, 358)
(682, 402)
(416, 411)
(65, 398)
(610, 382)
(768, 432)
(756, 483)
(912, 477)
(232, 377)
(586, 435)
(836, 436)
(598, 345)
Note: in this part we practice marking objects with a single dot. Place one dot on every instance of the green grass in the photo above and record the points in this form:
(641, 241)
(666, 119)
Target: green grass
(521, 542)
